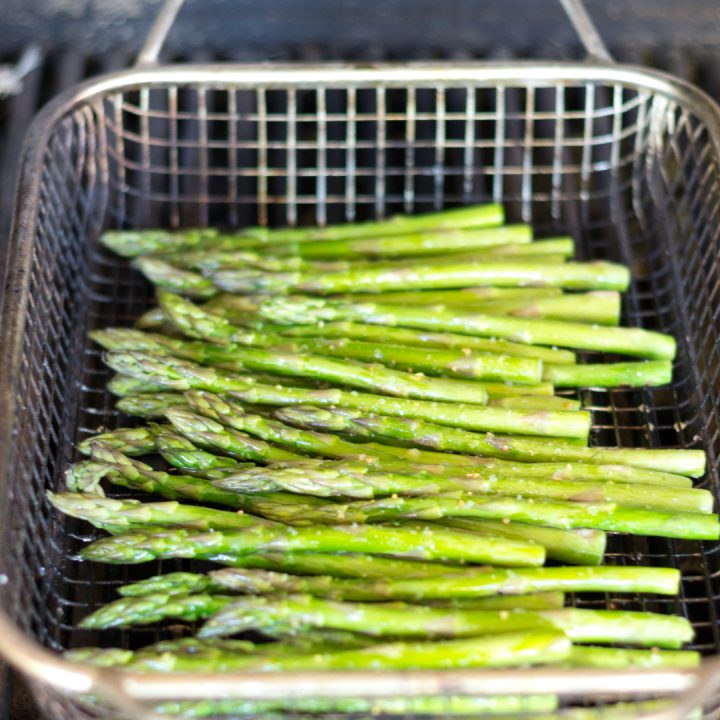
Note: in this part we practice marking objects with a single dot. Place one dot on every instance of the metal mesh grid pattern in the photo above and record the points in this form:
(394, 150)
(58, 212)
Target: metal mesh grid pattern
(630, 174)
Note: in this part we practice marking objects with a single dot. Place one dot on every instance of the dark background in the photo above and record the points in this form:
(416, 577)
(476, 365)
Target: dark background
(83, 38)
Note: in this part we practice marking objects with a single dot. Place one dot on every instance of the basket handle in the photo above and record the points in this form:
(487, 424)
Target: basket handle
(574, 9)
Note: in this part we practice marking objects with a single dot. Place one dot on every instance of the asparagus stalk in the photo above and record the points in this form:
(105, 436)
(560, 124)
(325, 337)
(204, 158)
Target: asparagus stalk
(176, 583)
(552, 513)
(535, 402)
(454, 363)
(153, 608)
(473, 216)
(483, 466)
(340, 565)
(404, 620)
(406, 336)
(417, 244)
(608, 375)
(626, 341)
(331, 483)
(143, 546)
(573, 547)
(195, 323)
(572, 276)
(425, 544)
(619, 658)
(255, 581)
(149, 405)
(131, 441)
(127, 472)
(464, 297)
(131, 243)
(179, 452)
(179, 374)
(169, 277)
(123, 385)
(258, 582)
(130, 514)
(371, 377)
(601, 307)
(494, 651)
(205, 432)
(681, 462)
(549, 424)
(153, 405)
(231, 415)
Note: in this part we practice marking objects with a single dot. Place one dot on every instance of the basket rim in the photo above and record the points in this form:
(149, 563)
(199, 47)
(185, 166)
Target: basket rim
(40, 663)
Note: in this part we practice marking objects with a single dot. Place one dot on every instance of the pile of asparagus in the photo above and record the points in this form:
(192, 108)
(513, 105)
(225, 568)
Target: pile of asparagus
(360, 429)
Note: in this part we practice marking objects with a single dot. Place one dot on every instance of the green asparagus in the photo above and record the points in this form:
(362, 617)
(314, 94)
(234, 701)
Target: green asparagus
(331, 483)
(493, 651)
(403, 620)
(406, 336)
(171, 278)
(681, 462)
(609, 375)
(130, 514)
(625, 341)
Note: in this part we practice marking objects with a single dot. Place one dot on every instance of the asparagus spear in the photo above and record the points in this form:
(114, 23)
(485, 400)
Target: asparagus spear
(231, 415)
(473, 216)
(123, 385)
(552, 513)
(626, 341)
(681, 462)
(183, 375)
(404, 620)
(153, 405)
(150, 405)
(484, 466)
(406, 336)
(618, 658)
(153, 608)
(131, 243)
(256, 582)
(421, 244)
(601, 307)
(464, 297)
(142, 546)
(372, 377)
(125, 471)
(535, 402)
(179, 452)
(130, 514)
(340, 565)
(176, 583)
(597, 275)
(573, 547)
(455, 363)
(506, 650)
(552, 424)
(331, 483)
(131, 441)
(608, 375)
(195, 323)
(169, 277)
(205, 432)
(427, 544)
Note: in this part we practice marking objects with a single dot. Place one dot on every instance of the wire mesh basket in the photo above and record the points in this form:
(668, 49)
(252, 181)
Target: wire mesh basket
(625, 160)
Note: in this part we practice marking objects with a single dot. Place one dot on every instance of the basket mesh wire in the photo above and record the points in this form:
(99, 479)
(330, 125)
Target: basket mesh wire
(630, 174)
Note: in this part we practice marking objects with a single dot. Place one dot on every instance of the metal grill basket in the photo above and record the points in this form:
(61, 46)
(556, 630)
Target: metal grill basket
(625, 160)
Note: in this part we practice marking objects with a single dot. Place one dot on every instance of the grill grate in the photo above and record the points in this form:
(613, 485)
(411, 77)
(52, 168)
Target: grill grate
(236, 160)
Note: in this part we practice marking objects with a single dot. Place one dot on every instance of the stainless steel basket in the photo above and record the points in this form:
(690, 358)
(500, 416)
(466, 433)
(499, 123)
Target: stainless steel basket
(626, 160)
